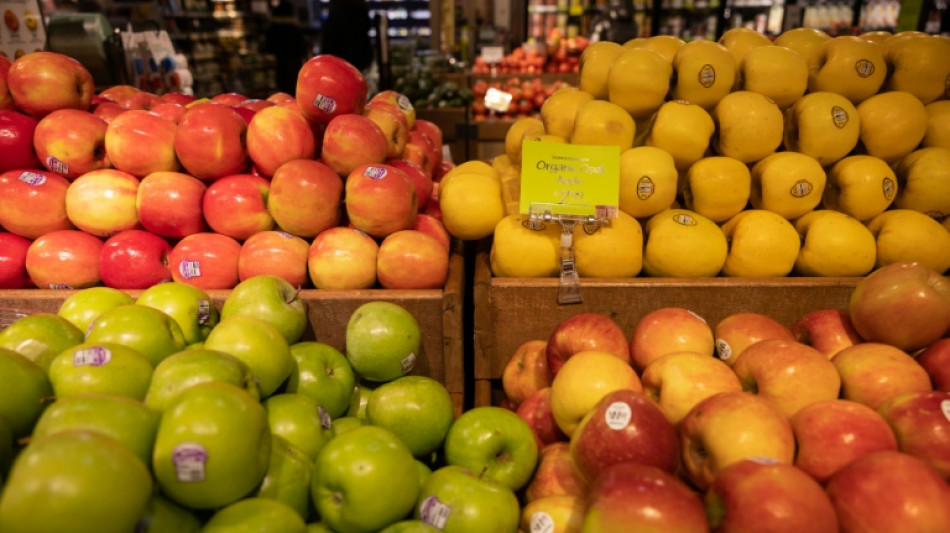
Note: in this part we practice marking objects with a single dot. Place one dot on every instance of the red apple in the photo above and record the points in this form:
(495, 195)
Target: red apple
(134, 259)
(667, 330)
(739, 330)
(102, 202)
(432, 155)
(16, 142)
(206, 260)
(526, 371)
(276, 253)
(393, 124)
(535, 410)
(872, 373)
(401, 102)
(434, 227)
(209, 141)
(281, 97)
(921, 422)
(380, 200)
(128, 96)
(936, 361)
(64, 259)
(178, 98)
(328, 86)
(342, 258)
(33, 202)
(71, 142)
(582, 332)
(6, 101)
(305, 197)
(833, 433)
(906, 305)
(229, 99)
(254, 104)
(107, 110)
(432, 132)
(419, 178)
(277, 135)
(441, 170)
(169, 204)
(432, 206)
(236, 206)
(169, 111)
(351, 141)
(42, 82)
(411, 259)
(140, 142)
(678, 381)
(13, 273)
(889, 492)
(827, 330)
(556, 475)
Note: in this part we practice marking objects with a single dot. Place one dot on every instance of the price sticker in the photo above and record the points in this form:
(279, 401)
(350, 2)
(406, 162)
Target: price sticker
(493, 54)
(497, 100)
(618, 415)
(572, 180)
(541, 522)
(945, 407)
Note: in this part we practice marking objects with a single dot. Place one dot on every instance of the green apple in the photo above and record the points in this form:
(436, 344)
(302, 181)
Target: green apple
(24, 391)
(259, 344)
(151, 332)
(418, 409)
(319, 527)
(190, 306)
(165, 516)
(272, 299)
(298, 418)
(124, 419)
(322, 372)
(495, 442)
(345, 423)
(424, 471)
(40, 337)
(360, 398)
(288, 476)
(456, 500)
(77, 481)
(83, 306)
(255, 515)
(212, 447)
(364, 480)
(411, 526)
(189, 367)
(382, 341)
(104, 367)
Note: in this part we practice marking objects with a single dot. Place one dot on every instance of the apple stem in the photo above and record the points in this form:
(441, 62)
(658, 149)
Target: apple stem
(483, 472)
(23, 441)
(296, 294)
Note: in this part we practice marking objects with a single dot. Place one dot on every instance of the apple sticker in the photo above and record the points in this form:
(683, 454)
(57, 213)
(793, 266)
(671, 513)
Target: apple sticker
(541, 522)
(189, 459)
(617, 415)
(434, 512)
(92, 356)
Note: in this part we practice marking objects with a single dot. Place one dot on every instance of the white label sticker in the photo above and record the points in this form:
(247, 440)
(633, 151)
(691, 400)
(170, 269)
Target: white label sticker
(696, 315)
(324, 103)
(204, 311)
(404, 103)
(189, 459)
(375, 173)
(34, 179)
(56, 165)
(285, 235)
(541, 522)
(325, 419)
(92, 356)
(723, 350)
(408, 363)
(497, 100)
(617, 415)
(56, 286)
(189, 269)
(434, 512)
(945, 407)
(765, 460)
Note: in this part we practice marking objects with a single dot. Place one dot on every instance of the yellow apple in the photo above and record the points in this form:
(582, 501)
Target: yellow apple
(905, 235)
(500, 163)
(749, 126)
(683, 129)
(514, 137)
(648, 181)
(924, 177)
(614, 250)
(739, 41)
(554, 514)
(824, 125)
(665, 45)
(558, 111)
(892, 124)
(678, 381)
(877, 36)
(511, 189)
(803, 40)
(761, 244)
(862, 186)
(668, 330)
(834, 244)
(938, 124)
(639, 81)
(788, 183)
(585, 378)
(518, 251)
(849, 66)
(919, 64)
(603, 123)
(683, 244)
(595, 64)
(776, 72)
(471, 204)
(476, 166)
(718, 187)
(705, 71)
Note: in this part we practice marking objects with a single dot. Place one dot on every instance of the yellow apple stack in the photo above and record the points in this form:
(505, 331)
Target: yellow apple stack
(807, 155)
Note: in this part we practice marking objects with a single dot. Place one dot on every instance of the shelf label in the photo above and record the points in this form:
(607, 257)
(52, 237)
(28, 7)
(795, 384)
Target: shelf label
(566, 179)
(493, 54)
(497, 100)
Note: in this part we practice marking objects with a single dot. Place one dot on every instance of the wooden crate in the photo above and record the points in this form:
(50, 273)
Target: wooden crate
(511, 311)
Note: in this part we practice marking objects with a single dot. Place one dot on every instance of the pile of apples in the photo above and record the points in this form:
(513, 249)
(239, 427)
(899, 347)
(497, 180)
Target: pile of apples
(808, 155)
(326, 188)
(559, 55)
(837, 423)
(527, 97)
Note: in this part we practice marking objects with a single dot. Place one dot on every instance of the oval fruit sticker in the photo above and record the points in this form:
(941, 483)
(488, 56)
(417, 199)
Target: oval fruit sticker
(707, 75)
(864, 68)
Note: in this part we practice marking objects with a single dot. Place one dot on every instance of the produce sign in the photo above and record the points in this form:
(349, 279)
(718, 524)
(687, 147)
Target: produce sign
(564, 179)
(22, 30)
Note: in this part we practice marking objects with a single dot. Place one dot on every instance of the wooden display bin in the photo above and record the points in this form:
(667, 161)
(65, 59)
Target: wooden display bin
(439, 313)
(511, 311)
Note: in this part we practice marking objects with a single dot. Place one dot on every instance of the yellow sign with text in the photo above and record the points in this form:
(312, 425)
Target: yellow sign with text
(569, 179)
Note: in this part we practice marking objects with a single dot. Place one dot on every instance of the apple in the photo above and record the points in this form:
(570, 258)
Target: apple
(210, 141)
(555, 475)
(872, 373)
(33, 203)
(420, 150)
(536, 411)
(149, 331)
(13, 273)
(300, 420)
(827, 330)
(392, 122)
(101, 368)
(40, 337)
(190, 307)
(134, 259)
(342, 258)
(584, 379)
(737, 331)
(275, 253)
(936, 361)
(71, 142)
(6, 101)
(454, 498)
(677, 381)
(169, 204)
(229, 98)
(141, 142)
(411, 259)
(42, 82)
(16, 141)
(82, 307)
(404, 104)
(186, 368)
(236, 206)
(272, 299)
(288, 476)
(162, 514)
(585, 331)
(277, 135)
(495, 442)
(128, 96)
(417, 409)
(364, 480)
(667, 330)
(305, 197)
(260, 345)
(420, 179)
(921, 423)
(755, 496)
(106, 492)
(169, 111)
(255, 514)
(103, 202)
(26, 390)
(64, 259)
(380, 200)
(206, 260)
(177, 97)
(636, 497)
(322, 372)
(107, 110)
(382, 340)
(351, 141)
(434, 227)
(328, 86)
(526, 371)
(212, 446)
(906, 305)
(889, 491)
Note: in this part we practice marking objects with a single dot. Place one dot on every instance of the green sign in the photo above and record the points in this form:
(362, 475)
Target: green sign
(570, 179)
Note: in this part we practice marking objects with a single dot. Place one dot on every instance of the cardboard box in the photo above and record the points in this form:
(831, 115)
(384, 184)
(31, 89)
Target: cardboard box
(511, 311)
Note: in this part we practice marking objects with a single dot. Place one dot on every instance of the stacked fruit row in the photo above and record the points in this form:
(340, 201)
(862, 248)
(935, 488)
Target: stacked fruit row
(809, 155)
(326, 188)
(560, 54)
(527, 97)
